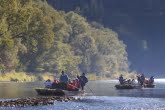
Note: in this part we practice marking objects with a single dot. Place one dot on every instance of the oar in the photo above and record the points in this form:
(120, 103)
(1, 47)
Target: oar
(88, 87)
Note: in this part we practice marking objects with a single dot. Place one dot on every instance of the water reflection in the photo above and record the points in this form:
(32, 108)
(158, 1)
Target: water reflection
(18, 90)
(99, 88)
(108, 89)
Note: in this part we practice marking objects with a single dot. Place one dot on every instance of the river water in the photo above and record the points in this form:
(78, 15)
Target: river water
(99, 95)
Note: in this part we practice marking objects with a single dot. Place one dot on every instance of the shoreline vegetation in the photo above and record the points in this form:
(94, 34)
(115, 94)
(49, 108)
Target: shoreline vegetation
(31, 77)
(36, 38)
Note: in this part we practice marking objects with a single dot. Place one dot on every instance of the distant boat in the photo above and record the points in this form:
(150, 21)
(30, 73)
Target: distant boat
(132, 86)
(124, 86)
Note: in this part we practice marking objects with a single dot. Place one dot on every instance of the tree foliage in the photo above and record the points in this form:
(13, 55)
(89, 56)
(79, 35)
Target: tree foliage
(34, 37)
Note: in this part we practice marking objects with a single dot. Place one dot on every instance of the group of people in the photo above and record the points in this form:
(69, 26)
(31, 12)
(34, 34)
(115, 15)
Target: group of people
(125, 81)
(140, 79)
(66, 84)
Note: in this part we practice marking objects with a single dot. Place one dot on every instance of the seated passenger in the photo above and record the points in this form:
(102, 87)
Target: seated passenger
(71, 86)
(133, 81)
(55, 84)
(48, 83)
(151, 81)
(75, 84)
(129, 81)
(146, 81)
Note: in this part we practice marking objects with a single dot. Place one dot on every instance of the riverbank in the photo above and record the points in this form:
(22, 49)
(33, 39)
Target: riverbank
(24, 77)
(31, 77)
(15, 76)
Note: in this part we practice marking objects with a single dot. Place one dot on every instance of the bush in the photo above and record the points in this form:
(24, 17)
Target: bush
(13, 76)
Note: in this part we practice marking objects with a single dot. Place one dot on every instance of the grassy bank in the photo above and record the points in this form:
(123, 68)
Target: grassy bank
(22, 76)
(13, 76)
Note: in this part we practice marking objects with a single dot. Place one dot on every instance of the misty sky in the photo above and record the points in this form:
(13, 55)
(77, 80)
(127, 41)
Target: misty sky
(143, 31)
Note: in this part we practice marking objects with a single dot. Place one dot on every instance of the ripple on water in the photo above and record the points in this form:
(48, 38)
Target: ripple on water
(104, 103)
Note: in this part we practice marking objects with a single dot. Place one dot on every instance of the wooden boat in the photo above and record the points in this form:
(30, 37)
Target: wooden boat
(56, 92)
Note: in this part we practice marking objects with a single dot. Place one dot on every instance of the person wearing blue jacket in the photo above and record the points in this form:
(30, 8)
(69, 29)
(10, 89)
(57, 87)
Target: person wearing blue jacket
(64, 77)
(63, 80)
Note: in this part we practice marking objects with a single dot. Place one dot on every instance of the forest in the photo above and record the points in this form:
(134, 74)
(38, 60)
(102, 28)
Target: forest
(36, 38)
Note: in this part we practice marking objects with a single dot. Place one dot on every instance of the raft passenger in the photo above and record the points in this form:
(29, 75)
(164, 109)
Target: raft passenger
(78, 81)
(48, 83)
(142, 79)
(139, 79)
(83, 80)
(63, 80)
(55, 84)
(133, 81)
(121, 79)
(151, 81)
(71, 86)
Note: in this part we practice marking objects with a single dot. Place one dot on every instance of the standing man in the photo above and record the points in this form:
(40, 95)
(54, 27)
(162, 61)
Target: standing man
(121, 79)
(83, 80)
(64, 80)
(142, 79)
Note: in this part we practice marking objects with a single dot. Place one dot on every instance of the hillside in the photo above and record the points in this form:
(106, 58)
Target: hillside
(139, 23)
(34, 37)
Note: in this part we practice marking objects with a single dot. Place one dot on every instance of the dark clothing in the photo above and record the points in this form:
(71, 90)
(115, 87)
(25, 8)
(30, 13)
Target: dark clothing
(138, 79)
(121, 80)
(83, 80)
(63, 85)
(60, 85)
(151, 80)
(142, 78)
(64, 78)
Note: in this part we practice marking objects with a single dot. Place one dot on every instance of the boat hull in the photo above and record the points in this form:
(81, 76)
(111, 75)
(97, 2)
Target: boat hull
(129, 86)
(124, 86)
(149, 86)
(56, 92)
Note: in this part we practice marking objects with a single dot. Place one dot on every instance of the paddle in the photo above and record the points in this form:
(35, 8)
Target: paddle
(87, 86)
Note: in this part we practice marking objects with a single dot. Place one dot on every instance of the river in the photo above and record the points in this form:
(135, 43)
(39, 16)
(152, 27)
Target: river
(99, 95)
